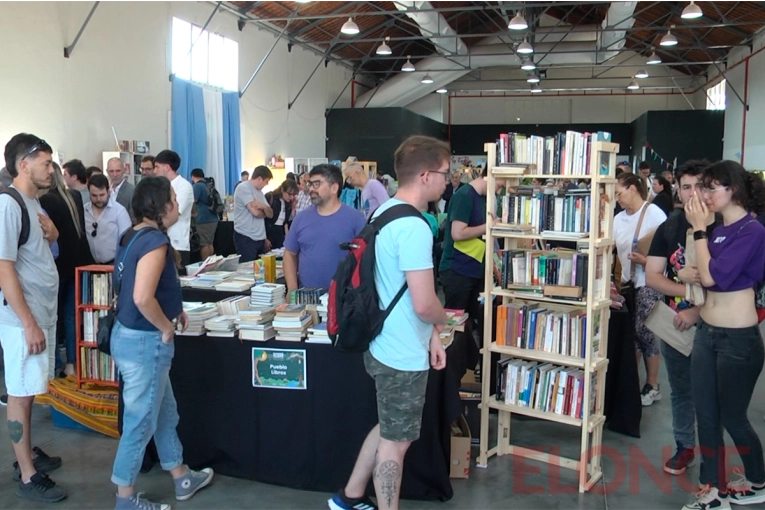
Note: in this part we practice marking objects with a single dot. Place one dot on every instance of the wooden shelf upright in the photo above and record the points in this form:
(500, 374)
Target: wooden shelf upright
(598, 245)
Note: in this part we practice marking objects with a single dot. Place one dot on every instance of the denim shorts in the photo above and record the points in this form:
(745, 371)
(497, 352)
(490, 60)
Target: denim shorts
(400, 400)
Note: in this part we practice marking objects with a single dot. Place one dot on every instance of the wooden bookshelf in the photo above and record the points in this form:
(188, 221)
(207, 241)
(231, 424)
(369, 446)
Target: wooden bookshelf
(88, 301)
(589, 369)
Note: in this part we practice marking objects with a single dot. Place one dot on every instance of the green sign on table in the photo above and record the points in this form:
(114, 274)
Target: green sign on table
(279, 368)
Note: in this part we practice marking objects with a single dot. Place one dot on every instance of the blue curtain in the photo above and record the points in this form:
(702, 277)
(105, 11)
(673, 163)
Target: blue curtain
(189, 130)
(232, 140)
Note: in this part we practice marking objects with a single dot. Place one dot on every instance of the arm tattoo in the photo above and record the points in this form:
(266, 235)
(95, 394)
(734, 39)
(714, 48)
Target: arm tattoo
(16, 431)
(388, 473)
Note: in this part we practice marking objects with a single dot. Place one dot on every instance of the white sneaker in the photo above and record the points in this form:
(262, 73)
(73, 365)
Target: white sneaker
(741, 491)
(649, 395)
(708, 498)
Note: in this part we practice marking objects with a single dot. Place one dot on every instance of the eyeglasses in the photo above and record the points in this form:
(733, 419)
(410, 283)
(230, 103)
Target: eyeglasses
(314, 184)
(42, 145)
(95, 229)
(445, 173)
(709, 191)
(699, 187)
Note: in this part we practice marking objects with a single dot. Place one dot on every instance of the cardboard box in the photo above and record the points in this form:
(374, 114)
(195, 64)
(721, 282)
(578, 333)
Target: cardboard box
(460, 459)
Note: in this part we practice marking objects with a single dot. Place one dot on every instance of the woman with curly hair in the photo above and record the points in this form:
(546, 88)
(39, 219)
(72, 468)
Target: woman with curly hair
(281, 201)
(728, 354)
(148, 301)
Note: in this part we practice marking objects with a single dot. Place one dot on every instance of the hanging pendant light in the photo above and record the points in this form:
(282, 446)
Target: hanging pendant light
(669, 39)
(518, 23)
(654, 59)
(641, 74)
(427, 80)
(442, 90)
(384, 49)
(528, 65)
(533, 78)
(692, 11)
(633, 85)
(525, 48)
(536, 89)
(350, 28)
(408, 67)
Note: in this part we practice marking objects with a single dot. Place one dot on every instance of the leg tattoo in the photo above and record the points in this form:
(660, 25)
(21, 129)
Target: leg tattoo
(388, 474)
(16, 431)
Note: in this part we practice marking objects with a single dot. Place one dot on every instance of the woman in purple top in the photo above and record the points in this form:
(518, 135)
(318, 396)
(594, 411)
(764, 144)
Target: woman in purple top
(728, 353)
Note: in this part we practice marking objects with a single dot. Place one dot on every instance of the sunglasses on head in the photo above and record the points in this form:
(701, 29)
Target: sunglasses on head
(41, 145)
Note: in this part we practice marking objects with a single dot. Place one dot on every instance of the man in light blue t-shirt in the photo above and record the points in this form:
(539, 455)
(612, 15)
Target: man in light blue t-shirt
(400, 357)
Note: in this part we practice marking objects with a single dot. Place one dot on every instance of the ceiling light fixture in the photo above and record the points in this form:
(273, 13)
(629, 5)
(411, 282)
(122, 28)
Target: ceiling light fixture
(525, 48)
(533, 78)
(528, 65)
(535, 89)
(633, 85)
(669, 39)
(692, 11)
(518, 23)
(427, 80)
(350, 28)
(384, 49)
(641, 74)
(302, 1)
(654, 58)
(442, 90)
(408, 67)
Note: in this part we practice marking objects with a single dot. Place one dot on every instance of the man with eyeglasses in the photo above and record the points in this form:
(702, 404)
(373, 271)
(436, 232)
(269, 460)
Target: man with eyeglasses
(121, 190)
(373, 193)
(250, 209)
(147, 166)
(303, 199)
(667, 272)
(312, 247)
(28, 313)
(105, 221)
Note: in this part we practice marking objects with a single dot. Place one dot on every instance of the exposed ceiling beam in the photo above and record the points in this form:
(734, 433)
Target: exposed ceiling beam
(316, 23)
(677, 10)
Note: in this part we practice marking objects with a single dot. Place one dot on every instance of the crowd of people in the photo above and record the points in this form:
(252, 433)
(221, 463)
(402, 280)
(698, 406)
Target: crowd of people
(55, 220)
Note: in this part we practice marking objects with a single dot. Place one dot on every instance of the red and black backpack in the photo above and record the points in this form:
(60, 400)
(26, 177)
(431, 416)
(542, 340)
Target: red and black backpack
(355, 317)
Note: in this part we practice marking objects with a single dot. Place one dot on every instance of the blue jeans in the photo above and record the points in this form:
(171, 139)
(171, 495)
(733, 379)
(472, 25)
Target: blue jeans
(65, 334)
(247, 248)
(683, 413)
(143, 361)
(725, 365)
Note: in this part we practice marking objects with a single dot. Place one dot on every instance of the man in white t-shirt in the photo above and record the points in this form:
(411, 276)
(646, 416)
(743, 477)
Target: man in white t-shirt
(373, 193)
(166, 164)
(400, 357)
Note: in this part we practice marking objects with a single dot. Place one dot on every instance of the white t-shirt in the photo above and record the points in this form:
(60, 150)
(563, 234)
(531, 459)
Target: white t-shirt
(624, 234)
(179, 233)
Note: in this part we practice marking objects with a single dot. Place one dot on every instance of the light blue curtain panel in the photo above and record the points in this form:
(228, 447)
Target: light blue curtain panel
(189, 130)
(232, 140)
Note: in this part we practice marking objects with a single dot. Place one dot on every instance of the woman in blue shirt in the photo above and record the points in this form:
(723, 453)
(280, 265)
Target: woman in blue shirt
(142, 346)
(728, 354)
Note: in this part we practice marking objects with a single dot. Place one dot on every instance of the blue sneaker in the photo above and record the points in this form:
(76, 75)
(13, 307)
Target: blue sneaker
(188, 485)
(339, 501)
(137, 502)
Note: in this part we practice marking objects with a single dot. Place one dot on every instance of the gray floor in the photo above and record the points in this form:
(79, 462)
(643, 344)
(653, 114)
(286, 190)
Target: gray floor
(88, 458)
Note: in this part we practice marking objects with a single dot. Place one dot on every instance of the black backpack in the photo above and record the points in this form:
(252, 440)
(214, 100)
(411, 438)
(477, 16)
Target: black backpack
(214, 202)
(354, 315)
(14, 193)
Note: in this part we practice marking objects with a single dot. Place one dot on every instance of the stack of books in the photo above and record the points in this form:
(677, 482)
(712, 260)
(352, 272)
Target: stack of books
(223, 326)
(291, 322)
(232, 305)
(197, 313)
(307, 296)
(318, 334)
(207, 280)
(268, 294)
(255, 323)
(455, 321)
(323, 307)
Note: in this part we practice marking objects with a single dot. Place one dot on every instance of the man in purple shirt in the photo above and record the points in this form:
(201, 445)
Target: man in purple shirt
(373, 193)
(312, 247)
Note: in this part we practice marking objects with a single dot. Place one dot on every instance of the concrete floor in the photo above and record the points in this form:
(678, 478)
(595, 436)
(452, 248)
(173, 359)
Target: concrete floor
(88, 459)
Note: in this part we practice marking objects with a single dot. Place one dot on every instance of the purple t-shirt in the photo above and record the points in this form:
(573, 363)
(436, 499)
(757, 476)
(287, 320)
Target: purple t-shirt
(738, 255)
(373, 196)
(316, 239)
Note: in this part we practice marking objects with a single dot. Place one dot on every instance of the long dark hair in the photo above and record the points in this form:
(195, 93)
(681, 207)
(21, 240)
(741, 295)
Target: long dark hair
(150, 200)
(666, 186)
(747, 188)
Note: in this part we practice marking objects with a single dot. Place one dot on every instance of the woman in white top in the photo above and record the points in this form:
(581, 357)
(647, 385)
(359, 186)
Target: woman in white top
(631, 193)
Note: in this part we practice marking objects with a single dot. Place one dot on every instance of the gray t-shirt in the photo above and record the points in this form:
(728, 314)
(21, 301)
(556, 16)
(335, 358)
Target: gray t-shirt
(33, 263)
(244, 222)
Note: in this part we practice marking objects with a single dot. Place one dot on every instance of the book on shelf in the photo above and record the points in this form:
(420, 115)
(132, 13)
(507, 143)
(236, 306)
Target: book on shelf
(90, 320)
(562, 154)
(530, 326)
(95, 288)
(544, 271)
(543, 386)
(94, 364)
(307, 295)
(536, 211)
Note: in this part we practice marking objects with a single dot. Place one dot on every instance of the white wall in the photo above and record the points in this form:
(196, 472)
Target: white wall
(433, 106)
(118, 76)
(754, 145)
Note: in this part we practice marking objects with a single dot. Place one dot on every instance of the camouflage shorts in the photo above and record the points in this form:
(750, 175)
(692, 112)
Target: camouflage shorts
(400, 400)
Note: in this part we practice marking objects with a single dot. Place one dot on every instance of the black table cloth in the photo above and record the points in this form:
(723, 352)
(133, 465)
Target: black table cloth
(622, 407)
(305, 439)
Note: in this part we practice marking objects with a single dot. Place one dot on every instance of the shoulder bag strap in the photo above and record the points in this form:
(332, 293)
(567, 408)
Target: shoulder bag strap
(635, 239)
(121, 266)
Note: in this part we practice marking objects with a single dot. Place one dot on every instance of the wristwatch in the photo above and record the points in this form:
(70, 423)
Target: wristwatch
(699, 234)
